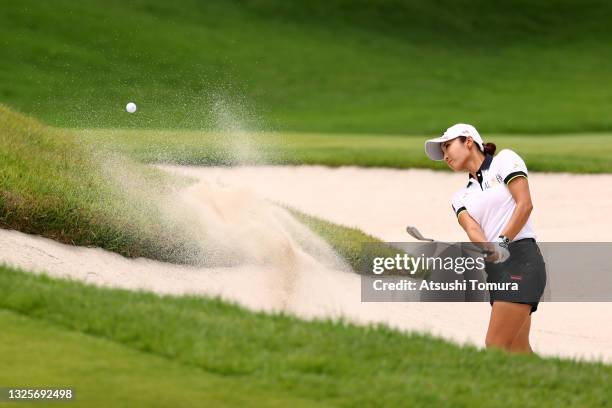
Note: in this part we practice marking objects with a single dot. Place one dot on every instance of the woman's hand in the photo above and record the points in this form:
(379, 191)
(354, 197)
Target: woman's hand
(498, 251)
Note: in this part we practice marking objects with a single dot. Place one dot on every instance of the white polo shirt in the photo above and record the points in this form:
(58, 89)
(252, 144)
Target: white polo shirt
(487, 198)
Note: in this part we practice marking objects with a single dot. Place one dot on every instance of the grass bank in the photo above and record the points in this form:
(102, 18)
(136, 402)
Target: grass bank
(282, 357)
(60, 185)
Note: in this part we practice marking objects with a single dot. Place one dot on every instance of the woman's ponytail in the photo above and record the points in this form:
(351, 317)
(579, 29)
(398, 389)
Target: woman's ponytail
(489, 148)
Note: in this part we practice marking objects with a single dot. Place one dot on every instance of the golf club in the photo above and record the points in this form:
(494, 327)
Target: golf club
(415, 233)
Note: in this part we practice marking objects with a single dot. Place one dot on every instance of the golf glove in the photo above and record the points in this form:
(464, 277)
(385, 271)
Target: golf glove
(501, 249)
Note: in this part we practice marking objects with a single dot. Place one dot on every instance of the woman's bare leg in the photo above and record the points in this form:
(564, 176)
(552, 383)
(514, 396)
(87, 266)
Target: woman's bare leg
(520, 344)
(506, 321)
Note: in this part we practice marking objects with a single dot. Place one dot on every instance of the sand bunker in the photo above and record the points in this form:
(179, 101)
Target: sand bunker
(290, 269)
(381, 202)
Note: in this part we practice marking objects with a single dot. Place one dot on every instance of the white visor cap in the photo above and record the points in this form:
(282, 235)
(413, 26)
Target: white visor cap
(433, 147)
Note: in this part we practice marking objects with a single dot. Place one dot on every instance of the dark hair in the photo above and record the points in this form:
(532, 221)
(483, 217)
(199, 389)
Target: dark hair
(489, 148)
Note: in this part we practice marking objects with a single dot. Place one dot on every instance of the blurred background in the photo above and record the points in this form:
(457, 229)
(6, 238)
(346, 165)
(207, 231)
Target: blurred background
(353, 66)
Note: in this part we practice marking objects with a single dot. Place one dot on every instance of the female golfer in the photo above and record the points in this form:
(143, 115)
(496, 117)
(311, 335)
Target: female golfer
(494, 210)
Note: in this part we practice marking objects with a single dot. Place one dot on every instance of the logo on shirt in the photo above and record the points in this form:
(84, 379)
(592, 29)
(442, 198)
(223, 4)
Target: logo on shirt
(494, 181)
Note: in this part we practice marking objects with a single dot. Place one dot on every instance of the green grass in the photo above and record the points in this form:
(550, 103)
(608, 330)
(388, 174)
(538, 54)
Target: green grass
(585, 153)
(216, 343)
(104, 373)
(356, 247)
(54, 185)
(366, 66)
(61, 185)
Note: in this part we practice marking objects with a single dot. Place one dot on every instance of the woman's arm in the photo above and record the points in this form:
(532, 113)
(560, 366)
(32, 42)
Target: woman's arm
(476, 235)
(471, 227)
(519, 188)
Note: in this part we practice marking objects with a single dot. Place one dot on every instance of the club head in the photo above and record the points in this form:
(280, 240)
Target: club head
(414, 232)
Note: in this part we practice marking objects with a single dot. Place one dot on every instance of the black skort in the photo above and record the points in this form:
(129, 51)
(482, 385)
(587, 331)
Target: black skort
(526, 268)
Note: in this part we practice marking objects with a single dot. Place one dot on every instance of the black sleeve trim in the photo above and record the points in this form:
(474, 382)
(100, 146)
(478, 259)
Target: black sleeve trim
(459, 210)
(510, 176)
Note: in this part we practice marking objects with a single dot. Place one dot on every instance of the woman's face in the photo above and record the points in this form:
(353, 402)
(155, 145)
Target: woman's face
(456, 153)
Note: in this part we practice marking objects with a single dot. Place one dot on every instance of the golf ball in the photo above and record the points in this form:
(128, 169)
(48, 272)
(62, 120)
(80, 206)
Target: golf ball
(130, 107)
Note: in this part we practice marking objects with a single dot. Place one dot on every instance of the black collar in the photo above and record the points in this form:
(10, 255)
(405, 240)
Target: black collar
(486, 163)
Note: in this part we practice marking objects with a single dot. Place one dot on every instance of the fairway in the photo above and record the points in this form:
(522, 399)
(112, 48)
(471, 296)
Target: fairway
(402, 67)
(580, 153)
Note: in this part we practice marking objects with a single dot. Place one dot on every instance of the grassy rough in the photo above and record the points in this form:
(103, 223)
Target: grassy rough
(332, 362)
(105, 373)
(55, 185)
(67, 186)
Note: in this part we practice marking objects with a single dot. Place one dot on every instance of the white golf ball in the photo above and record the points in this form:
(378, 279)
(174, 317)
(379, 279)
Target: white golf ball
(130, 107)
